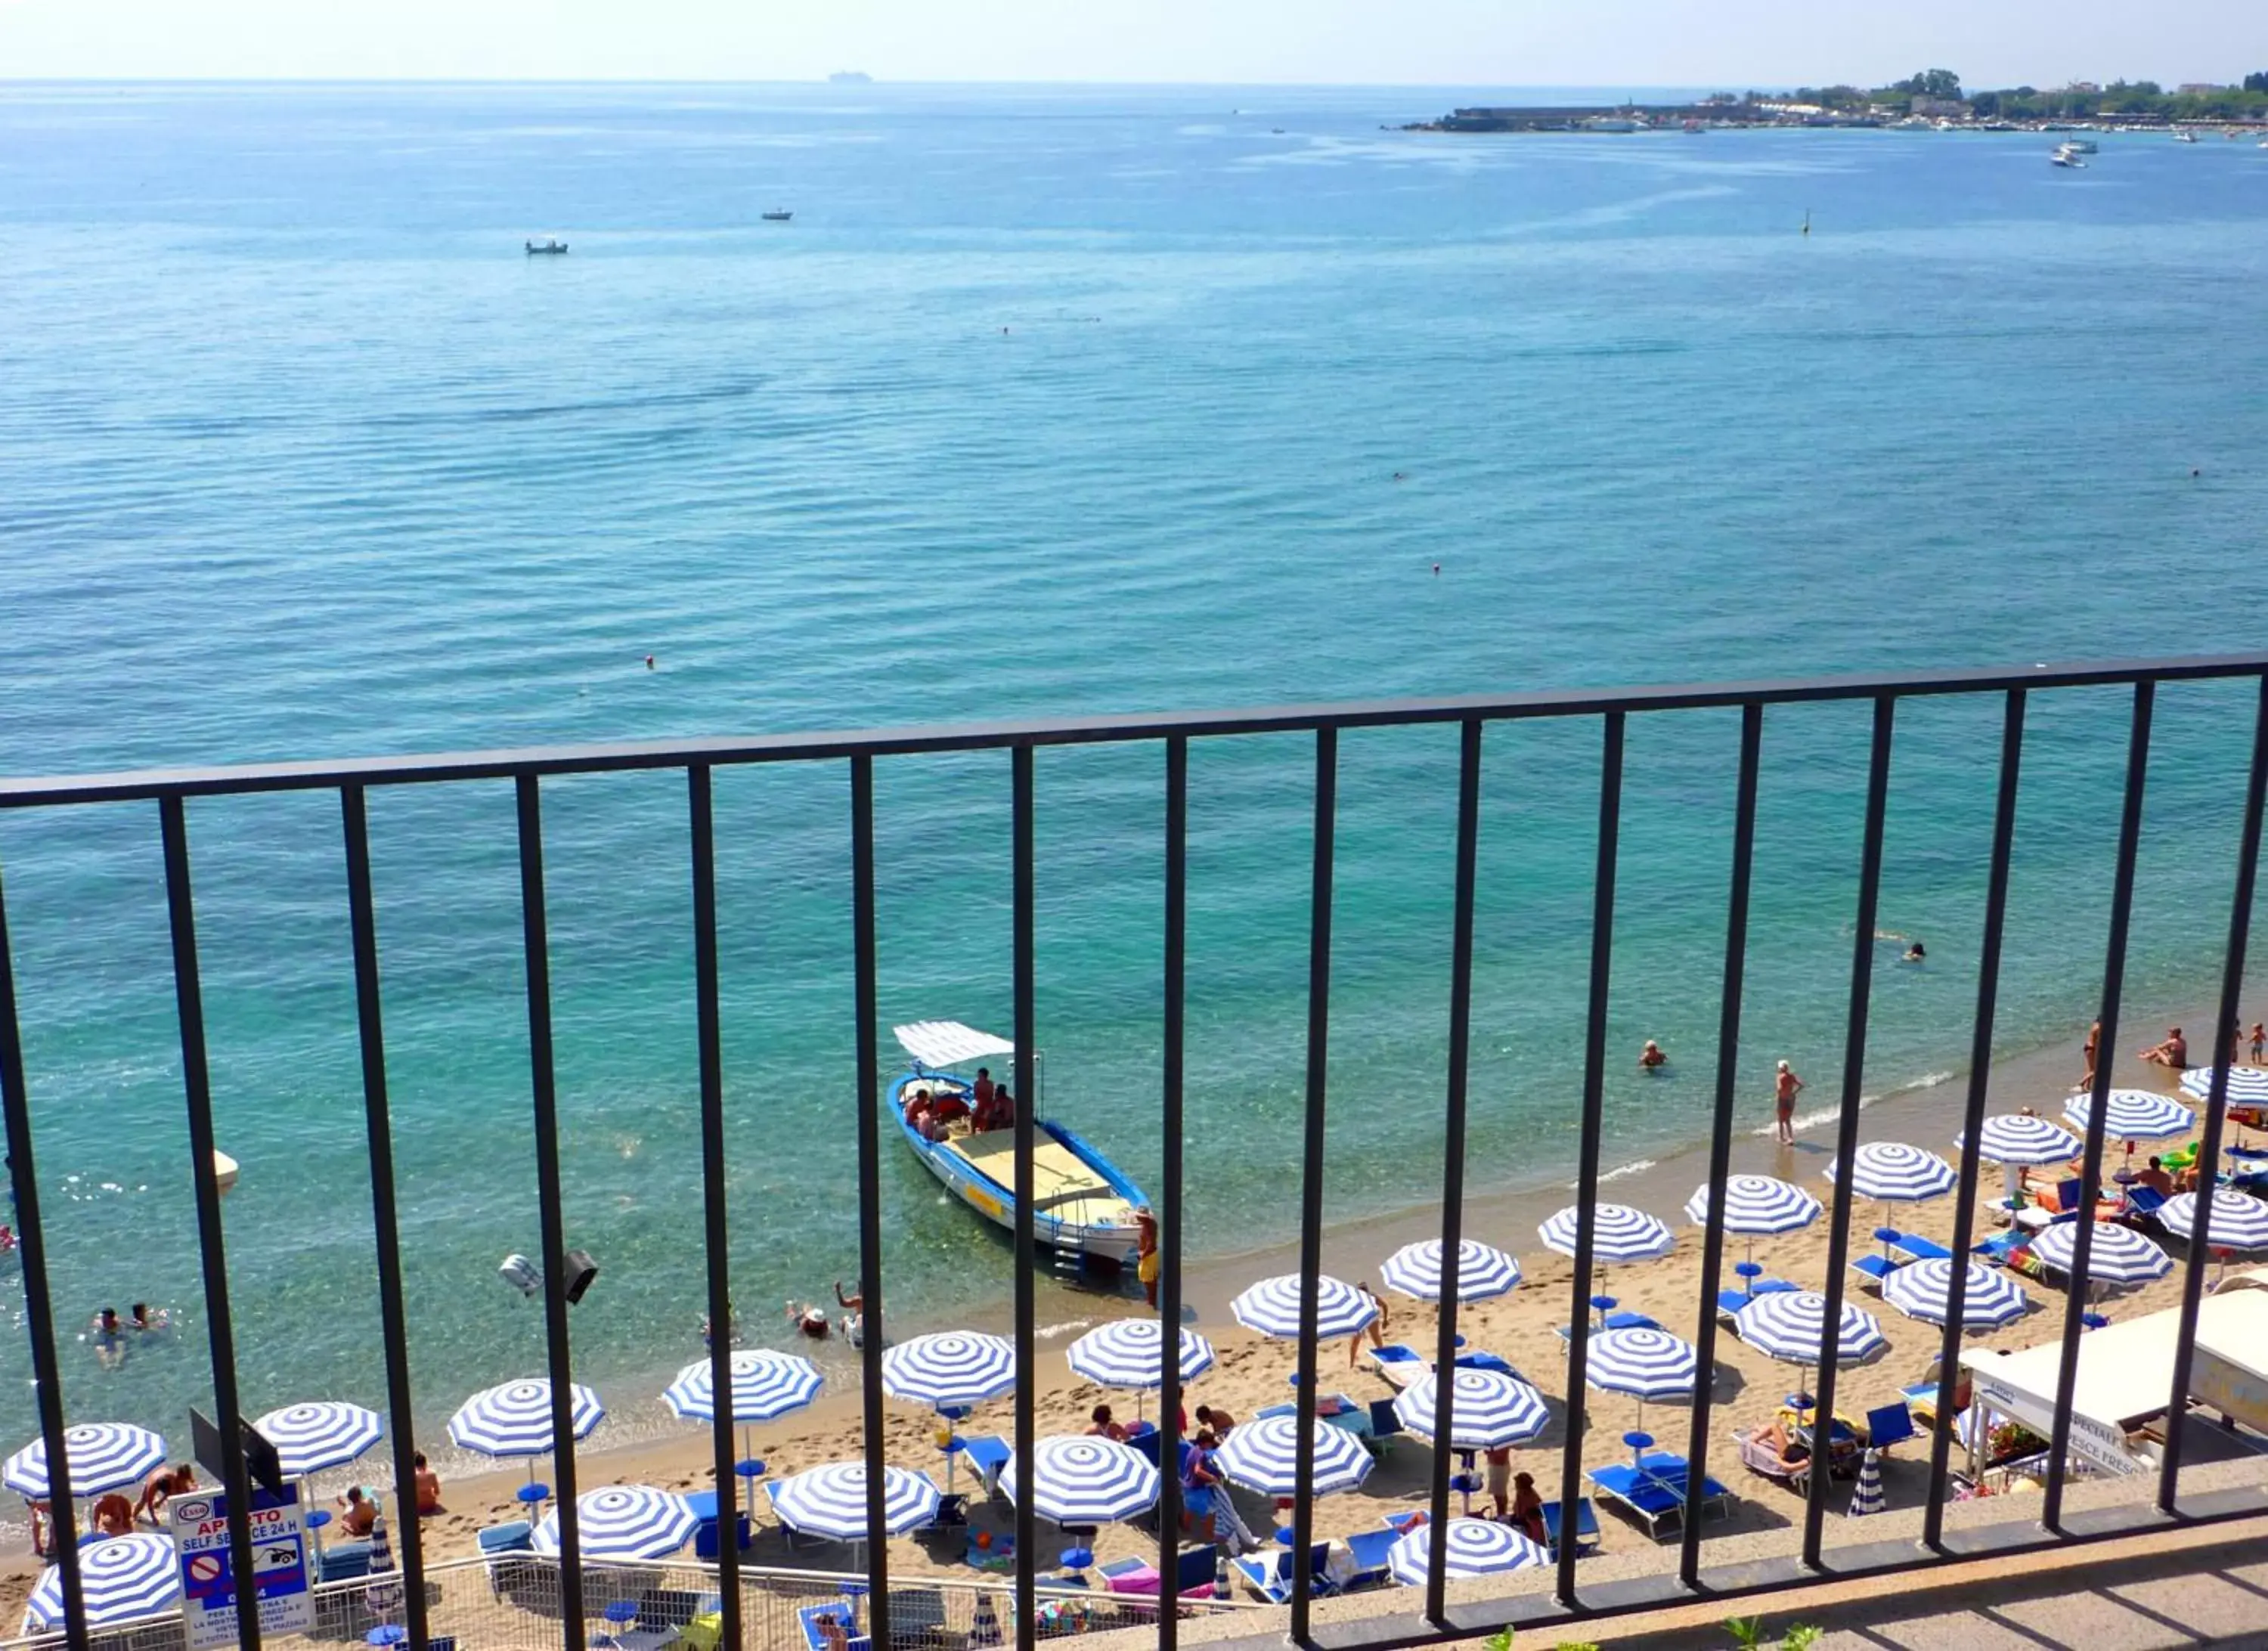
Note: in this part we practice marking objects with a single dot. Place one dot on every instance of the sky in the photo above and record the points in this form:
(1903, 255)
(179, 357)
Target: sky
(1734, 44)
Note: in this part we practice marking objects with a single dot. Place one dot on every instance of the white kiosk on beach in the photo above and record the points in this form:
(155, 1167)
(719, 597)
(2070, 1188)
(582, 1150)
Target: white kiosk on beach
(2126, 1371)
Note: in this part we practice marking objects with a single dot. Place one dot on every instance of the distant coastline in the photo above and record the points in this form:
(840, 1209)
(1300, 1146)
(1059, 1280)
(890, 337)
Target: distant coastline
(1933, 100)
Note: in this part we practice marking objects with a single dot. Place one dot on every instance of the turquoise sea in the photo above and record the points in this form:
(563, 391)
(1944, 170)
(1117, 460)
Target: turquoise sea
(1046, 400)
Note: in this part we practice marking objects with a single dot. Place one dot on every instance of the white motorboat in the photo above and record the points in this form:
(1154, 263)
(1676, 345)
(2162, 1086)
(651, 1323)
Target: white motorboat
(2186, 138)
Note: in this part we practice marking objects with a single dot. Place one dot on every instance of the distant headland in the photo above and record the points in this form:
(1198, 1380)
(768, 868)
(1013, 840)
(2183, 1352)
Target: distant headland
(1934, 98)
(851, 77)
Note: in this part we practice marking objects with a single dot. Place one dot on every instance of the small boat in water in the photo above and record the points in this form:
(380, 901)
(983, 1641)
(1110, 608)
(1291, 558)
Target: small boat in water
(777, 217)
(2186, 138)
(549, 247)
(2068, 156)
(1082, 1205)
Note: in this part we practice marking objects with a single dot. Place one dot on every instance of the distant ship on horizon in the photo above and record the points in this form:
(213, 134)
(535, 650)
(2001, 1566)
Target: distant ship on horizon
(851, 77)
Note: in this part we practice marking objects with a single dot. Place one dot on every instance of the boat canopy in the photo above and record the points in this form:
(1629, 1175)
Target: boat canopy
(941, 1043)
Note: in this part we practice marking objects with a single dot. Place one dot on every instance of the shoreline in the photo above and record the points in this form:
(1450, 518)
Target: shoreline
(681, 1455)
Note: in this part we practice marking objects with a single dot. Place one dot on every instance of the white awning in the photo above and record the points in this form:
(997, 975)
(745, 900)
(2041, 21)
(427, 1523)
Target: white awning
(942, 1044)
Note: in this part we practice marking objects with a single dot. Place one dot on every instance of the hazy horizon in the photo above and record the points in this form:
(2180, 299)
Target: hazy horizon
(1619, 44)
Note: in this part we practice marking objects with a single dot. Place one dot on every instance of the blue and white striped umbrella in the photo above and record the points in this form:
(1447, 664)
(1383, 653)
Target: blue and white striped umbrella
(1271, 1307)
(951, 1370)
(2247, 1086)
(1891, 1172)
(101, 1456)
(515, 1420)
(124, 1577)
(1867, 1495)
(2134, 1114)
(1482, 1271)
(1620, 1236)
(1491, 1410)
(624, 1521)
(765, 1386)
(1263, 1455)
(2234, 1222)
(1924, 1290)
(1477, 1547)
(313, 1437)
(1650, 1366)
(2119, 1255)
(1081, 1479)
(1756, 1205)
(1791, 1325)
(831, 1501)
(2023, 1140)
(1125, 1353)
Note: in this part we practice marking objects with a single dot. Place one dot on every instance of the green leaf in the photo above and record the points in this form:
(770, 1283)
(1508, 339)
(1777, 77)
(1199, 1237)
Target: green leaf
(1801, 1636)
(1747, 1632)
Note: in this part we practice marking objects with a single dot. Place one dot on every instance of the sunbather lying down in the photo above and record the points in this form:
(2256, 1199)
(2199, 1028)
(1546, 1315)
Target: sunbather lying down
(1789, 1452)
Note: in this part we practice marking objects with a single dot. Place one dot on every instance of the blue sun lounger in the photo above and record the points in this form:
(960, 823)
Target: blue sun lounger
(1269, 1573)
(1654, 1491)
(1615, 1320)
(1914, 1247)
(1586, 1527)
(1729, 1302)
(1369, 1550)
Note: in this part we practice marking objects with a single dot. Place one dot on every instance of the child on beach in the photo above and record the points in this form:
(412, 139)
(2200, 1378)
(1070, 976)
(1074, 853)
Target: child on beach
(2260, 1042)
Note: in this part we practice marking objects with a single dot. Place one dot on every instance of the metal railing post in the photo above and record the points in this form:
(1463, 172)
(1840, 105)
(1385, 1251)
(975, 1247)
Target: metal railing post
(1026, 1141)
(1169, 1211)
(870, 1196)
(386, 1223)
(1311, 1165)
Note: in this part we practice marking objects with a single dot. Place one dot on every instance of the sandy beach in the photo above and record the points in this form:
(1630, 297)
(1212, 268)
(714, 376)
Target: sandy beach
(1252, 1372)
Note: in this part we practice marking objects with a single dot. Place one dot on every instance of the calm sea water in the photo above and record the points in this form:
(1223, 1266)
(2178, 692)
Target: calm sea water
(1045, 402)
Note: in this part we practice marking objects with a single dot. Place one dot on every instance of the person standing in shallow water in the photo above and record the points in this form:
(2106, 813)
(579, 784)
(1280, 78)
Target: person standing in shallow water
(1145, 1252)
(1786, 1086)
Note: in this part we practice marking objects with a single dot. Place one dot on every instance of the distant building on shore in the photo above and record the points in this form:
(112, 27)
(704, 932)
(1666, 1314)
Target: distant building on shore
(2199, 86)
(1945, 108)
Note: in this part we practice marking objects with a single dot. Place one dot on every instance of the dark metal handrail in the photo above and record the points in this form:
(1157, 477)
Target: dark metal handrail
(172, 788)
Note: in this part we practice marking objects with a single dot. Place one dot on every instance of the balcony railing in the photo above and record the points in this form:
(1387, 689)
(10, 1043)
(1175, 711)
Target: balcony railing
(1431, 1615)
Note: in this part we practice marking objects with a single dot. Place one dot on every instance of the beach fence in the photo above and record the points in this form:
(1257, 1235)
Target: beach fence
(1748, 718)
(515, 1602)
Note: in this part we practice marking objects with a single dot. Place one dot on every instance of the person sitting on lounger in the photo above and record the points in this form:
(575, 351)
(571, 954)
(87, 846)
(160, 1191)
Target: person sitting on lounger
(1528, 1508)
(2173, 1052)
(2156, 1179)
(833, 1636)
(357, 1513)
(1104, 1427)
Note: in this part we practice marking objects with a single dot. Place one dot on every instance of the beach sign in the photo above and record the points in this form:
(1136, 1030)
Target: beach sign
(279, 1561)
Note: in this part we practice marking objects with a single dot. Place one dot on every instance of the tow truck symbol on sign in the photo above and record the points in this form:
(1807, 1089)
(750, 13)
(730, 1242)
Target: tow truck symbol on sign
(285, 1557)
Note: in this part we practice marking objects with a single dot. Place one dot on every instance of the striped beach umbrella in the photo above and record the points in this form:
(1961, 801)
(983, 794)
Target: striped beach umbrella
(2235, 1221)
(1757, 1206)
(1866, 1497)
(314, 1437)
(624, 1521)
(101, 1456)
(831, 1501)
(1490, 1411)
(1482, 1271)
(2023, 1140)
(1081, 1479)
(515, 1420)
(1650, 1366)
(2134, 1115)
(1477, 1547)
(765, 1386)
(123, 1577)
(1891, 1172)
(2247, 1086)
(950, 1369)
(1125, 1353)
(1620, 1235)
(383, 1593)
(1263, 1455)
(1272, 1307)
(2119, 1256)
(1791, 1326)
(1924, 1290)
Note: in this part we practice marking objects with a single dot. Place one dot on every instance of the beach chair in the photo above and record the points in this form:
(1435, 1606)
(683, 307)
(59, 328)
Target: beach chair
(1488, 1361)
(1402, 1521)
(917, 1617)
(1130, 1576)
(1385, 1422)
(1200, 1572)
(1914, 1247)
(1995, 1250)
(840, 1610)
(1398, 1365)
(1875, 1269)
(499, 1544)
(1890, 1424)
(1269, 1574)
(2145, 1202)
(987, 1454)
(1674, 1472)
(1615, 1320)
(1587, 1528)
(1729, 1302)
(1644, 1497)
(342, 1561)
(1367, 1552)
